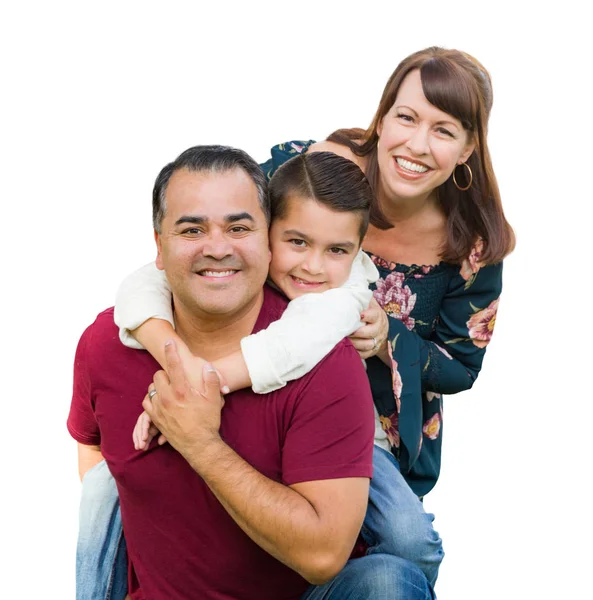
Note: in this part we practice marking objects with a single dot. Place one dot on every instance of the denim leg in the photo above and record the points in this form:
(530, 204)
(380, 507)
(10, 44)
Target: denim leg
(396, 522)
(374, 577)
(101, 557)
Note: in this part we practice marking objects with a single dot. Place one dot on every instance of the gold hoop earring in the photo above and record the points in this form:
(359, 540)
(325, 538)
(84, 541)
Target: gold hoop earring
(471, 178)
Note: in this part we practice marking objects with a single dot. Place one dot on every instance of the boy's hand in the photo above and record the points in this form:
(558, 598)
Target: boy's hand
(371, 339)
(144, 432)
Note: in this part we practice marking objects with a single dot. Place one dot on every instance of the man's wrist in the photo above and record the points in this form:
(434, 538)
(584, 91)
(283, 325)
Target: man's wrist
(203, 453)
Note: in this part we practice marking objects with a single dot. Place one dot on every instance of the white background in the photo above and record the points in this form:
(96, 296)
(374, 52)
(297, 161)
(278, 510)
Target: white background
(97, 97)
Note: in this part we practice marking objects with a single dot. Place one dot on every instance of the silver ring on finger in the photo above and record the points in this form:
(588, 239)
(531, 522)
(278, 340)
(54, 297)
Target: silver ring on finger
(151, 394)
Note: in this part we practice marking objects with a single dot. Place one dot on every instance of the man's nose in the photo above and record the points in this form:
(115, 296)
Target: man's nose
(217, 246)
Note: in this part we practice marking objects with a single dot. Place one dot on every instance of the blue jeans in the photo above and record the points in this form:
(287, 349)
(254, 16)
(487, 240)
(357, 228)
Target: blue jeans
(101, 557)
(374, 577)
(395, 527)
(396, 523)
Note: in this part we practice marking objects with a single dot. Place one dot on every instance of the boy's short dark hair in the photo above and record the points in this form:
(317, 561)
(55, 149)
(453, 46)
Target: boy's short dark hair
(325, 177)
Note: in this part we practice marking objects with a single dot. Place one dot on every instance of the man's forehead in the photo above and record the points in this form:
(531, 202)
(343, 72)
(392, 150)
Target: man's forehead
(211, 192)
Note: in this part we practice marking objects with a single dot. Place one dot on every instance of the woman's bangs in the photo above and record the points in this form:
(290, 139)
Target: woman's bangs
(446, 88)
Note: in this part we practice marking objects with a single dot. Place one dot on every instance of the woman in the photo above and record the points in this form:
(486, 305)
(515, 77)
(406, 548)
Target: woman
(438, 235)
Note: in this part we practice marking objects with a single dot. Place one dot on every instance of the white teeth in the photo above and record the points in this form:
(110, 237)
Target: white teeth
(217, 273)
(410, 166)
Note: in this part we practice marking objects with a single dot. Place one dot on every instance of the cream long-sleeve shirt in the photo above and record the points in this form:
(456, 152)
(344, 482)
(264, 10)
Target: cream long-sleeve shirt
(308, 330)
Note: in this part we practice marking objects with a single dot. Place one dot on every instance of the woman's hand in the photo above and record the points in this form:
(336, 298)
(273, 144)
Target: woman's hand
(371, 339)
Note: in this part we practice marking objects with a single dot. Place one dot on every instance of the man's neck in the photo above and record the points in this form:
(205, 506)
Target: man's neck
(214, 336)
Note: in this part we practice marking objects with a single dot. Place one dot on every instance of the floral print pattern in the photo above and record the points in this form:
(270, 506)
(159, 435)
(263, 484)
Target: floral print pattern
(396, 298)
(432, 427)
(390, 427)
(481, 325)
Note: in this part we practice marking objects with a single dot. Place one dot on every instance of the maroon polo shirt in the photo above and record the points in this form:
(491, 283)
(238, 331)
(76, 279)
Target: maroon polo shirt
(182, 544)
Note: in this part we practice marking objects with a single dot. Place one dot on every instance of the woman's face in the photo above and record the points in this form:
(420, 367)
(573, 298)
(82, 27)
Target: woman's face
(419, 145)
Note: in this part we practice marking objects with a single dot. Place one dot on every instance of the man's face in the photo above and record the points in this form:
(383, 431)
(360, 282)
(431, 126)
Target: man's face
(213, 244)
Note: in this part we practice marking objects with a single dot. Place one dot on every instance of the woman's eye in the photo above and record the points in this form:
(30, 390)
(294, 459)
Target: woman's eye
(445, 132)
(407, 118)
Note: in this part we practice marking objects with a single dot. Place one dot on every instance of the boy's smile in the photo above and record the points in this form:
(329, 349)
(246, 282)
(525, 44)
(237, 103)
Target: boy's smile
(313, 247)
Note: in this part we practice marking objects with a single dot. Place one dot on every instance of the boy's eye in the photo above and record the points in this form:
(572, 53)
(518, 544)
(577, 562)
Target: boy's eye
(337, 251)
(297, 242)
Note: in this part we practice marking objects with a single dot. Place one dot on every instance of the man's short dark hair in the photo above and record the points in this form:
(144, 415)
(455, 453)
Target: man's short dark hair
(212, 159)
(330, 179)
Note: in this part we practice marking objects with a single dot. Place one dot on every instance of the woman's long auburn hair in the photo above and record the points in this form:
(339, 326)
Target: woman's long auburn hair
(459, 85)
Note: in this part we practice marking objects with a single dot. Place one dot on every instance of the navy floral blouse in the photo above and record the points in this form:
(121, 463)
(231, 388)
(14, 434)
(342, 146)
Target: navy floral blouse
(441, 318)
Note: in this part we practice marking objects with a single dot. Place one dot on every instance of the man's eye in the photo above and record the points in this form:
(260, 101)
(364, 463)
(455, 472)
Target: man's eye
(191, 231)
(238, 229)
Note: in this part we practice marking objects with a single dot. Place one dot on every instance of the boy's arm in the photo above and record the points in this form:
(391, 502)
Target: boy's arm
(309, 329)
(142, 296)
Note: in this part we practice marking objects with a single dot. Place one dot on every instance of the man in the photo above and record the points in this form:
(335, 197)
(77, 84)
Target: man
(267, 496)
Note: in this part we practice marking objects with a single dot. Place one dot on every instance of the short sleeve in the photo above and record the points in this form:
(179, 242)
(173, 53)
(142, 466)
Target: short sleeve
(280, 153)
(331, 429)
(81, 423)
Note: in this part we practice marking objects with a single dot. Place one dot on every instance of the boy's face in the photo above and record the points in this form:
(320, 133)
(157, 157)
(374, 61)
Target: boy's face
(313, 247)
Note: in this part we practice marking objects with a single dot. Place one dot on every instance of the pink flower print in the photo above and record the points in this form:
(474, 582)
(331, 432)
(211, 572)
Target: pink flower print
(443, 351)
(297, 147)
(396, 299)
(390, 427)
(481, 325)
(396, 379)
(470, 266)
(381, 262)
(432, 427)
(430, 396)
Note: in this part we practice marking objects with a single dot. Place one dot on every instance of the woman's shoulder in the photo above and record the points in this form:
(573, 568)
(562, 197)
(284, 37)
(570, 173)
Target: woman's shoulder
(339, 149)
(280, 153)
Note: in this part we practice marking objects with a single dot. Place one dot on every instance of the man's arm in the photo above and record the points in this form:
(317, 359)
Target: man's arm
(310, 526)
(88, 457)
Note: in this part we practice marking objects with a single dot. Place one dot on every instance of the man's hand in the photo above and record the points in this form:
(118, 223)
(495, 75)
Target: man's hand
(189, 417)
(371, 339)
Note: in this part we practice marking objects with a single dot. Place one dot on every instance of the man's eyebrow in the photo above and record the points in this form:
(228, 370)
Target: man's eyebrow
(201, 220)
(242, 216)
(194, 219)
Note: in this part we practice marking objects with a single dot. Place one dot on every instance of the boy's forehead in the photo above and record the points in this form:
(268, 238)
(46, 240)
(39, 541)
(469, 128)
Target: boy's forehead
(309, 216)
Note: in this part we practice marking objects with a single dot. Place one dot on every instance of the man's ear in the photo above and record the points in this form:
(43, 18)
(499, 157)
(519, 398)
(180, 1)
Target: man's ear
(159, 251)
